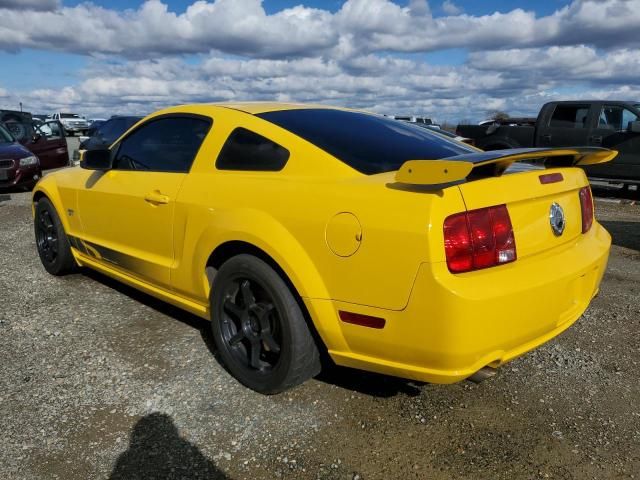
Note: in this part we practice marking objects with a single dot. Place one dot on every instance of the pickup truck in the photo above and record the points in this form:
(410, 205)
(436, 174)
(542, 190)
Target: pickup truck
(72, 122)
(602, 123)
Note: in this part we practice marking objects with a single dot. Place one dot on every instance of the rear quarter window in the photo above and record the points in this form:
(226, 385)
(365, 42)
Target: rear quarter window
(247, 150)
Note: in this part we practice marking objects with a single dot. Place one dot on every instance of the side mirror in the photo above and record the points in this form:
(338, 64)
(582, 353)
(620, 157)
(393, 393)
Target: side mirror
(36, 137)
(634, 127)
(96, 160)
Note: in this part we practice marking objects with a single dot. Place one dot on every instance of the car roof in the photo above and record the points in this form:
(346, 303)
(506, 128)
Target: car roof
(263, 107)
(252, 108)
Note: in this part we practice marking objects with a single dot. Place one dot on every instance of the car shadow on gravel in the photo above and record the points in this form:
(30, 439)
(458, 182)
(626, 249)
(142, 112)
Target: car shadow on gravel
(372, 384)
(157, 452)
(368, 383)
(624, 234)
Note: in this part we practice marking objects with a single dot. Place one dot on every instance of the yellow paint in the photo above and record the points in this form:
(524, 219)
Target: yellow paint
(433, 172)
(308, 217)
(344, 234)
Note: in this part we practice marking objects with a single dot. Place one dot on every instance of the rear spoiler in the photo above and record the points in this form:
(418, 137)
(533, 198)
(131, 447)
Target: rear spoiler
(494, 163)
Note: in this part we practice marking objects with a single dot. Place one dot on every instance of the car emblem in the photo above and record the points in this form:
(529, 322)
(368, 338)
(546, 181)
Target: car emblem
(556, 219)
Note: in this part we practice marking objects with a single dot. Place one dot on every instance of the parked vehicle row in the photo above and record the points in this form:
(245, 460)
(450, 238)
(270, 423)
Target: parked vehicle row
(604, 123)
(19, 167)
(105, 134)
(414, 119)
(43, 143)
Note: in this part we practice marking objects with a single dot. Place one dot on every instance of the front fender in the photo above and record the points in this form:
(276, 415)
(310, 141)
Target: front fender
(47, 187)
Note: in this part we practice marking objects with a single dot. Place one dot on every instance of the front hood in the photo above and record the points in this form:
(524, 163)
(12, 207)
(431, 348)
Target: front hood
(13, 151)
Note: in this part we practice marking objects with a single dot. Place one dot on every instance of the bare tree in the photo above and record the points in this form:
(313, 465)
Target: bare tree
(498, 115)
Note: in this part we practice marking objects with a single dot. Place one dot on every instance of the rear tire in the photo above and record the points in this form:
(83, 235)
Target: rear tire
(51, 240)
(259, 329)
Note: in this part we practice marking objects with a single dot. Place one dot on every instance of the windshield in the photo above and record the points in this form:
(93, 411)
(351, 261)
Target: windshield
(368, 143)
(5, 136)
(69, 115)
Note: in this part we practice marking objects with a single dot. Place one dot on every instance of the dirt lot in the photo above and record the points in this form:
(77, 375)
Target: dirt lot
(99, 381)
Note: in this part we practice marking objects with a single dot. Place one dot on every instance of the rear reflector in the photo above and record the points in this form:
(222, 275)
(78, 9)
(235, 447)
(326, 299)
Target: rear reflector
(586, 205)
(362, 320)
(479, 239)
(551, 178)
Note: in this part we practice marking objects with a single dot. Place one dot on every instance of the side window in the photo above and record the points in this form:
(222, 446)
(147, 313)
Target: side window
(569, 116)
(41, 129)
(51, 129)
(167, 144)
(246, 150)
(616, 117)
(107, 131)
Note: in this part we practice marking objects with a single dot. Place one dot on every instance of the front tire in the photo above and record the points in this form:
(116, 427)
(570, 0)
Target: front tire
(259, 329)
(51, 240)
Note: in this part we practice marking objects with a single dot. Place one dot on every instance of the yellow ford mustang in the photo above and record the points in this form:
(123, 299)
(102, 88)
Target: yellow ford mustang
(298, 229)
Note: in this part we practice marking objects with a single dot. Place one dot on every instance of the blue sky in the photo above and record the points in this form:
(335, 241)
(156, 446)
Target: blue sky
(447, 59)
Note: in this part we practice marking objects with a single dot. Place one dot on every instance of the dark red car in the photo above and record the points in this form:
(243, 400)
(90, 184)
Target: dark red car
(45, 139)
(19, 167)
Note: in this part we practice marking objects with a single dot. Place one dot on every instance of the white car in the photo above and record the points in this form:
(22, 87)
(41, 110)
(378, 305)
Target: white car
(72, 122)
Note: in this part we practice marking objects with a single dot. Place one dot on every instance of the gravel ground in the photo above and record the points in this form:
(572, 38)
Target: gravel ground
(100, 381)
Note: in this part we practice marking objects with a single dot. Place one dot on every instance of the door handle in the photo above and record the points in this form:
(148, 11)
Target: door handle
(156, 198)
(546, 136)
(596, 139)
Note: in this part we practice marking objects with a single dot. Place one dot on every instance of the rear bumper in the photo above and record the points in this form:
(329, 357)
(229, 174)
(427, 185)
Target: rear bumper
(453, 325)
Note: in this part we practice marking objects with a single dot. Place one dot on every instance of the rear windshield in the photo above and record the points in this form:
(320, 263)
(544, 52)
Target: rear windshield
(368, 143)
(5, 136)
(69, 115)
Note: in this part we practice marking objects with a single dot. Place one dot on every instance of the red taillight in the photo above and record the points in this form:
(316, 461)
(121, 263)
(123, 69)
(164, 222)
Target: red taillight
(586, 204)
(479, 239)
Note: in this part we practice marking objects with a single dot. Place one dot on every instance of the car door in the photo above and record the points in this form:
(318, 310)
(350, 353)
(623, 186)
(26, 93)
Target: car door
(568, 126)
(612, 131)
(49, 145)
(127, 212)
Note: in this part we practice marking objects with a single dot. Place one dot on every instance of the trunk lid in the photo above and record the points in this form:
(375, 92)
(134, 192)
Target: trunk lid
(529, 202)
(487, 179)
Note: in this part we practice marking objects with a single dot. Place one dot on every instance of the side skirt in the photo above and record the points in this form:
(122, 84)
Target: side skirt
(201, 310)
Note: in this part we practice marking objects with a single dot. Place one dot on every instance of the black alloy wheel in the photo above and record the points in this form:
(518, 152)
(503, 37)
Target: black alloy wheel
(259, 328)
(51, 240)
(251, 325)
(46, 236)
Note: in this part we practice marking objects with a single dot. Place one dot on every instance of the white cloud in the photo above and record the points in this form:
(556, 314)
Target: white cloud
(451, 8)
(574, 63)
(242, 27)
(502, 80)
(516, 61)
(232, 26)
(29, 4)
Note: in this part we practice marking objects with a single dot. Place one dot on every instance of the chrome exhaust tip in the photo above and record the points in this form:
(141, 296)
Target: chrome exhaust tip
(482, 374)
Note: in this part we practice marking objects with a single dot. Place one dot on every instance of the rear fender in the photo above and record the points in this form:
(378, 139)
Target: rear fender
(269, 235)
(266, 233)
